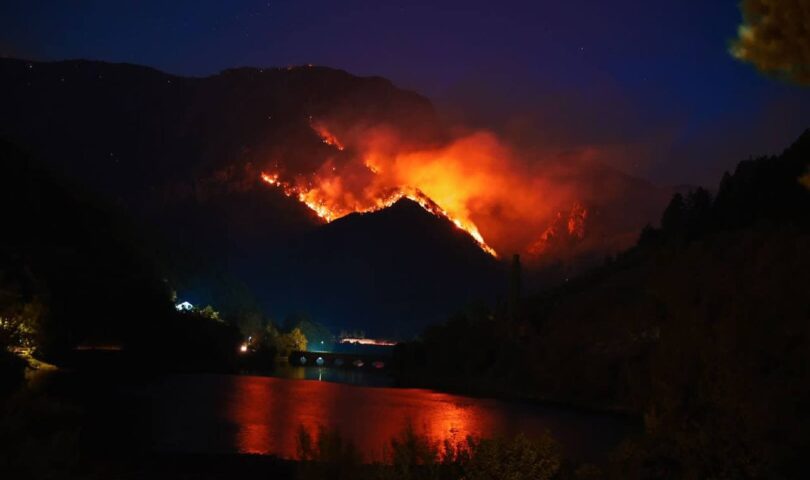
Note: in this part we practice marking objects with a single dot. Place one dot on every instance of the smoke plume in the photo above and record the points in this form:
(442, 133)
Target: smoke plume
(508, 200)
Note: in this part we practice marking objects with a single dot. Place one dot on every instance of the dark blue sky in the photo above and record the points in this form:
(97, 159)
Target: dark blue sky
(648, 82)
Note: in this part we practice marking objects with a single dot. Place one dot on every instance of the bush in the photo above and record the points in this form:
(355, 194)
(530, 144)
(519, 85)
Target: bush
(327, 456)
(518, 459)
(412, 456)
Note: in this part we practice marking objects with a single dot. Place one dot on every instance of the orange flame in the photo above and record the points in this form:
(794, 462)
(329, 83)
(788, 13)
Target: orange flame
(312, 199)
(576, 221)
(564, 227)
(326, 135)
(474, 181)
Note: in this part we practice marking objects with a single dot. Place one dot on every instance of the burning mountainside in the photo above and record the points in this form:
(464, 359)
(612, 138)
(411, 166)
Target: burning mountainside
(309, 129)
(471, 181)
(313, 198)
(570, 227)
(197, 148)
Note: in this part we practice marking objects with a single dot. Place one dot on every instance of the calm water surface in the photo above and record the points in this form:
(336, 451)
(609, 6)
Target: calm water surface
(263, 415)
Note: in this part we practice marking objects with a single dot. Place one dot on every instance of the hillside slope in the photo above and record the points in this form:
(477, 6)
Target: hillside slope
(184, 157)
(702, 328)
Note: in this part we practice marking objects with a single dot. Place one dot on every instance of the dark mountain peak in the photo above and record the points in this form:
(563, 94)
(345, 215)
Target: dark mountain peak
(407, 225)
(391, 272)
(406, 207)
(307, 70)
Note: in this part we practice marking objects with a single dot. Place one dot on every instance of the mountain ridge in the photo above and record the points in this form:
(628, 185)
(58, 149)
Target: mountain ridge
(186, 154)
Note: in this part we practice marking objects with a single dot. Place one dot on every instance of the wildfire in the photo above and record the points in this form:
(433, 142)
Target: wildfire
(565, 227)
(312, 199)
(576, 221)
(474, 181)
(326, 136)
(307, 197)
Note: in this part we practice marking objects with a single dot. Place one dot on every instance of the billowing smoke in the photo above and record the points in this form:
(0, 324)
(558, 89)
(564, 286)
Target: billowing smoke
(476, 180)
(775, 37)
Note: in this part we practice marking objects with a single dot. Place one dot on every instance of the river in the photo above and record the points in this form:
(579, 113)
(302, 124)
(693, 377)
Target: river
(263, 415)
(245, 414)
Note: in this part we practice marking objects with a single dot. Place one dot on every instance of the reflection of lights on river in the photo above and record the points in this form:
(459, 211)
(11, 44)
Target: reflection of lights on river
(252, 417)
(269, 412)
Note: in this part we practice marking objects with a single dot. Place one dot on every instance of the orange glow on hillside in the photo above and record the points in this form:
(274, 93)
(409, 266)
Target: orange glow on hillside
(474, 181)
(326, 136)
(565, 227)
(314, 199)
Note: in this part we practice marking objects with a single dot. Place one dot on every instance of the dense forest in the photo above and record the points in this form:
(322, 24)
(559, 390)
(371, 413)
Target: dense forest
(701, 328)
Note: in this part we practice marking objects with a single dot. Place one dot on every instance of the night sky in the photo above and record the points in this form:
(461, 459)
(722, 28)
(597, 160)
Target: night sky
(650, 83)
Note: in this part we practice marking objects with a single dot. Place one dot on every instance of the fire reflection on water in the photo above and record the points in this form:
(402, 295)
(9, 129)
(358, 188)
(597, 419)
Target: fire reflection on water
(268, 414)
(264, 415)
(252, 418)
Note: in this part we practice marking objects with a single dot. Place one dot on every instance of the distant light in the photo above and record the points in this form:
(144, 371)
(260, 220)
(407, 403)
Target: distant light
(319, 361)
(184, 307)
(368, 341)
(321, 342)
(243, 348)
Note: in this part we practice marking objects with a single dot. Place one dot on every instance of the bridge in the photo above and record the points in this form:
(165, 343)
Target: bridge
(338, 360)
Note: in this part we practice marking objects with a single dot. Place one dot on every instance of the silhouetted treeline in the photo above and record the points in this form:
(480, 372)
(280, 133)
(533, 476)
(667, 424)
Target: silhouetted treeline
(764, 194)
(702, 330)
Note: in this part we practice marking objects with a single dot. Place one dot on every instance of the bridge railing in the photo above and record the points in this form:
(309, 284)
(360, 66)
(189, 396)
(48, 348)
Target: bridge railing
(337, 360)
